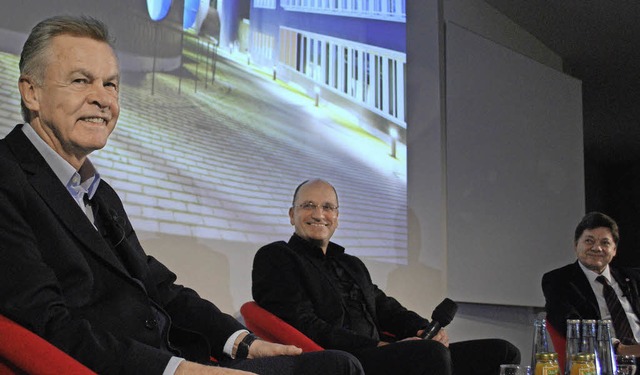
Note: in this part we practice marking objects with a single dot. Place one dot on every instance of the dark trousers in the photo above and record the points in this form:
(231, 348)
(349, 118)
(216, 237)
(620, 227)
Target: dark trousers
(428, 357)
(327, 362)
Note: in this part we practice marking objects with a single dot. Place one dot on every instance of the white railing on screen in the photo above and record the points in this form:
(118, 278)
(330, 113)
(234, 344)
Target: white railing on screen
(391, 10)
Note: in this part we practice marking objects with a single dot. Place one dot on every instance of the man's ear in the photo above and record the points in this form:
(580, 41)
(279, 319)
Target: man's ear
(27, 88)
(291, 216)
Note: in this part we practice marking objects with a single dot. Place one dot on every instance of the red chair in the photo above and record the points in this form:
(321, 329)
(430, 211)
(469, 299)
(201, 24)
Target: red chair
(559, 344)
(271, 328)
(24, 352)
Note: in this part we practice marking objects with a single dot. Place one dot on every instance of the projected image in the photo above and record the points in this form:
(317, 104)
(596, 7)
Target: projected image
(228, 105)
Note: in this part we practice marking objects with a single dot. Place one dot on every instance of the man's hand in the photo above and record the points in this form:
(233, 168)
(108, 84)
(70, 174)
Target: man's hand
(441, 336)
(629, 349)
(192, 368)
(261, 349)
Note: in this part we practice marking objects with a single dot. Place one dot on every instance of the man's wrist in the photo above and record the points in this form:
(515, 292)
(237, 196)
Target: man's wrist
(242, 350)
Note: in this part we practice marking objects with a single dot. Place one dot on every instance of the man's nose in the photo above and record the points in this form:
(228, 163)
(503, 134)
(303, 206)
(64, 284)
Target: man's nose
(318, 211)
(101, 97)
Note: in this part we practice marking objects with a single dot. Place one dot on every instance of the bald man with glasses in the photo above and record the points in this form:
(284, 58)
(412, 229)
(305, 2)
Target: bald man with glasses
(311, 283)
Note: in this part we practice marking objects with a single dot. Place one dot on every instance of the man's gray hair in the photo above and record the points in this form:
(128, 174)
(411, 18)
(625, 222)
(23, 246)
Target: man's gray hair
(33, 61)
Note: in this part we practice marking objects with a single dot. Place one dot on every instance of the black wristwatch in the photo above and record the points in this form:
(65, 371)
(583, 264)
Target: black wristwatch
(243, 347)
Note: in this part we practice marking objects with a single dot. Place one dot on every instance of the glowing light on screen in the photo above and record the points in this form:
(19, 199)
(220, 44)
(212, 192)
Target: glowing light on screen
(158, 9)
(190, 12)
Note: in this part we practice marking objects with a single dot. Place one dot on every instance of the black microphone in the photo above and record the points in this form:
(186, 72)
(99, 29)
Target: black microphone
(441, 316)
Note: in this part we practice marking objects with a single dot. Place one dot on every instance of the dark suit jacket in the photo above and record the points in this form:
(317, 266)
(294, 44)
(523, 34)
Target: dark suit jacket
(62, 279)
(289, 281)
(568, 294)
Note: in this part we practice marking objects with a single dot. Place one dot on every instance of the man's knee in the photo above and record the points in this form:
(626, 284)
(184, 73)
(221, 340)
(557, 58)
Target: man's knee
(427, 352)
(439, 352)
(433, 358)
(511, 354)
(340, 362)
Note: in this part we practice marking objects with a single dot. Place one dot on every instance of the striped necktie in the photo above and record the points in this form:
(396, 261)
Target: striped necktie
(618, 316)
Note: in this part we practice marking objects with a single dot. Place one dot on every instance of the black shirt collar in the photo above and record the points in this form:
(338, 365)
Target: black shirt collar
(299, 244)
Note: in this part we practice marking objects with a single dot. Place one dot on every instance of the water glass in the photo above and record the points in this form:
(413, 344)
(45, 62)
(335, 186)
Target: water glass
(515, 370)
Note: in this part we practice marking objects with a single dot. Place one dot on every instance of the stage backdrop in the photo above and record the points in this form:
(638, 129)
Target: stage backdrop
(226, 107)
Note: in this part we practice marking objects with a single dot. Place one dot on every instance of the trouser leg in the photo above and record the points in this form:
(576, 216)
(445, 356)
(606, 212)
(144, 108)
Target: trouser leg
(482, 357)
(411, 357)
(315, 363)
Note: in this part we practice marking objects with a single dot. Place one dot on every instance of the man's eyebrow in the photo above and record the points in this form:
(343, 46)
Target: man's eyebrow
(114, 77)
(88, 74)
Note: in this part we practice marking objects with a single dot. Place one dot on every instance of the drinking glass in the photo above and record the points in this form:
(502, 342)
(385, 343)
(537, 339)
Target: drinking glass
(515, 370)
(626, 364)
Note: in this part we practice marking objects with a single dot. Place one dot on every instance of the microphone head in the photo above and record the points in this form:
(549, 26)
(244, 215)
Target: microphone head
(444, 312)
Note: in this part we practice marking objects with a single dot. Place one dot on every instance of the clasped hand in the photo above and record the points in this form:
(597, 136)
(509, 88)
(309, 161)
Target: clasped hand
(258, 349)
(261, 349)
(440, 337)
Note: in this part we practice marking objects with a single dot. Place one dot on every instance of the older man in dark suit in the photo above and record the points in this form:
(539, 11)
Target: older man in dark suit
(313, 284)
(71, 267)
(591, 288)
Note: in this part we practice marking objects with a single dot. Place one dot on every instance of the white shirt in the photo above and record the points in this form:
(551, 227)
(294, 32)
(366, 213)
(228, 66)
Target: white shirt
(597, 288)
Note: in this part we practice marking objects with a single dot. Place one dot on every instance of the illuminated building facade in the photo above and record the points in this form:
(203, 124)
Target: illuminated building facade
(354, 49)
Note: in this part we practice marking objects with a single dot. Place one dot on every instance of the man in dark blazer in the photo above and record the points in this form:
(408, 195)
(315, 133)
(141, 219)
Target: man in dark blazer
(575, 292)
(311, 283)
(71, 267)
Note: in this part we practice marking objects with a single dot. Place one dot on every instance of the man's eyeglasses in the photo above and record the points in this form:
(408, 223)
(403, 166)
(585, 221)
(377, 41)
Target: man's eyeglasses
(310, 206)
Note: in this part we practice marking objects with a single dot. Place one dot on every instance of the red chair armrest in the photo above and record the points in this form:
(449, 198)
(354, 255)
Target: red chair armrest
(22, 351)
(271, 328)
(559, 344)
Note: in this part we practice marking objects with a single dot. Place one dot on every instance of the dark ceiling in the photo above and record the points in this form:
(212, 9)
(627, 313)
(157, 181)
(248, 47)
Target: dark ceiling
(599, 42)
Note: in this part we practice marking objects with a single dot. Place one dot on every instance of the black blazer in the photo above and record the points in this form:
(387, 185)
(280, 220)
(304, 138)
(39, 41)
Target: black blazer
(62, 279)
(568, 294)
(289, 281)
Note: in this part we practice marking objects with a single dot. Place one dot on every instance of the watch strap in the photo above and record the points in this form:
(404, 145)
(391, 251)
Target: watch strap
(243, 347)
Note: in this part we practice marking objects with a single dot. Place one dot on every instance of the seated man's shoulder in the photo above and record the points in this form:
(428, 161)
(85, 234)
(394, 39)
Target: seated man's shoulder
(6, 156)
(633, 272)
(562, 270)
(10, 170)
(558, 274)
(274, 249)
(275, 245)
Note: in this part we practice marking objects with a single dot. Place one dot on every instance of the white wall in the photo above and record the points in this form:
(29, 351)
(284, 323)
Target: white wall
(481, 18)
(427, 165)
(515, 175)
